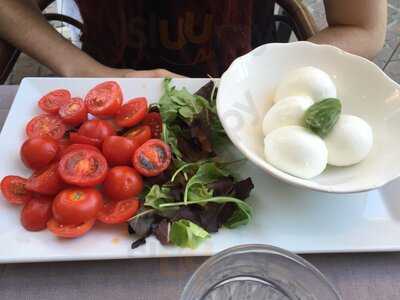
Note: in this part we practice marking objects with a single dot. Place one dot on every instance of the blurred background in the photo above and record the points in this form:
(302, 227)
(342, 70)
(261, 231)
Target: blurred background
(388, 58)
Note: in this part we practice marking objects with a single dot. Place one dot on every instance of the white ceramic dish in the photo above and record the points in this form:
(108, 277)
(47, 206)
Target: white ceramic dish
(296, 219)
(246, 93)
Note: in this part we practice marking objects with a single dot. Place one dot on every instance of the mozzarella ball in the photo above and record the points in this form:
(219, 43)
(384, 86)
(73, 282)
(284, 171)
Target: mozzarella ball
(297, 151)
(288, 111)
(349, 142)
(306, 81)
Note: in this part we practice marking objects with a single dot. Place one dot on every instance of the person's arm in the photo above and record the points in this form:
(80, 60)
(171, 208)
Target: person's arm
(23, 26)
(356, 26)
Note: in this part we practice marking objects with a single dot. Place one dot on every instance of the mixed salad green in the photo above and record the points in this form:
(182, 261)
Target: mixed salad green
(198, 194)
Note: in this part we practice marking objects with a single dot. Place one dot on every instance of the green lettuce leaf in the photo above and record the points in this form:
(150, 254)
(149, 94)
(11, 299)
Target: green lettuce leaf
(186, 234)
(241, 216)
(207, 173)
(157, 196)
(169, 136)
(180, 103)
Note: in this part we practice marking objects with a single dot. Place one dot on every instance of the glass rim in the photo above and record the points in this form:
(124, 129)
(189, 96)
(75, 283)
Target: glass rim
(260, 248)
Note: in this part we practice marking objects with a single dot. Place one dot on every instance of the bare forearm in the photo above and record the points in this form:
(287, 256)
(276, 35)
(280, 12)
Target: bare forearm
(357, 26)
(352, 39)
(22, 25)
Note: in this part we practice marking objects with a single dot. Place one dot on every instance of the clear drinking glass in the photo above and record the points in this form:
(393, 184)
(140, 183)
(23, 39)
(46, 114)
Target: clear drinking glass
(258, 272)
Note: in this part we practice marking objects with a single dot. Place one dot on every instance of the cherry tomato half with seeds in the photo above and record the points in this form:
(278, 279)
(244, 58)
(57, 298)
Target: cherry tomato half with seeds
(154, 120)
(77, 138)
(117, 212)
(139, 135)
(14, 189)
(74, 112)
(76, 205)
(37, 153)
(118, 150)
(69, 231)
(36, 213)
(104, 99)
(97, 129)
(123, 182)
(83, 167)
(78, 147)
(46, 125)
(152, 158)
(132, 112)
(46, 181)
(52, 101)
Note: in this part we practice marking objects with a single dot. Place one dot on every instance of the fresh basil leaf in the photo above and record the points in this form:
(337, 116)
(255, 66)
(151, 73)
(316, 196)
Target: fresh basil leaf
(157, 196)
(322, 116)
(186, 234)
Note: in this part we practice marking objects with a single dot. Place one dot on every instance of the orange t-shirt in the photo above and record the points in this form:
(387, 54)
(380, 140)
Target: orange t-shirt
(189, 37)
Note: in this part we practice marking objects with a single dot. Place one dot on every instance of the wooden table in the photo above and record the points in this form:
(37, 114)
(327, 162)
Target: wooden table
(356, 276)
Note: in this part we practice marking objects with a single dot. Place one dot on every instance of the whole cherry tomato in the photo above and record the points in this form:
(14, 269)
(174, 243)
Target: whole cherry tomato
(76, 205)
(123, 182)
(118, 150)
(37, 153)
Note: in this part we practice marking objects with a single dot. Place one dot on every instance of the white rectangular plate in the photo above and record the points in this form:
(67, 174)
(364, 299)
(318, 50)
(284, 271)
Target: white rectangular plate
(295, 219)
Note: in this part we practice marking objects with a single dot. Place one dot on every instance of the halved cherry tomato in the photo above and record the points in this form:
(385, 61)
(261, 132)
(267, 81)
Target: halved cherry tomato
(104, 99)
(79, 147)
(14, 189)
(132, 112)
(74, 112)
(37, 153)
(77, 138)
(152, 158)
(46, 181)
(139, 134)
(154, 120)
(77, 205)
(46, 125)
(118, 150)
(123, 182)
(69, 231)
(97, 129)
(36, 213)
(118, 212)
(84, 167)
(52, 101)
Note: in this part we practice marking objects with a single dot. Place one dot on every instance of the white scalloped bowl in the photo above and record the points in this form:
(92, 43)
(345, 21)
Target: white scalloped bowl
(246, 91)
